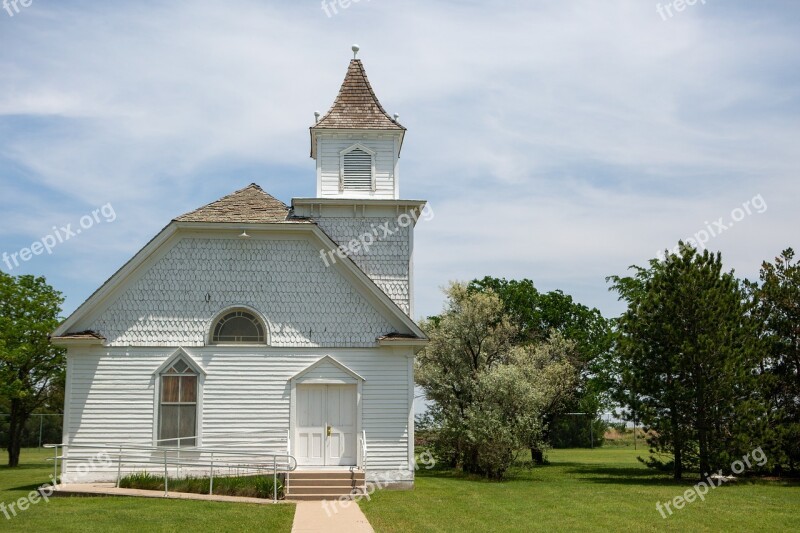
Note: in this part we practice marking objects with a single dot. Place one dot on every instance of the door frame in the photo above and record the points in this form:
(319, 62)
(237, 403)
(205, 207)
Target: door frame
(325, 371)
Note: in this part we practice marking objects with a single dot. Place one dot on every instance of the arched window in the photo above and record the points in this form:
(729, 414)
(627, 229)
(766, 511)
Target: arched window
(238, 327)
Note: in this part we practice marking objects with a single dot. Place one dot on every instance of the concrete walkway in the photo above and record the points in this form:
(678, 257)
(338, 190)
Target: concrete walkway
(309, 516)
(332, 516)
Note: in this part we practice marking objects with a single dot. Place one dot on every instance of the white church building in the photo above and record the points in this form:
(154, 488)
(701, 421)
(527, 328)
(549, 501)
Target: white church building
(248, 324)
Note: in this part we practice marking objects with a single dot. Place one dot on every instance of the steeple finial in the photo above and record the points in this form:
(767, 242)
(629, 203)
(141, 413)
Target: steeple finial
(355, 48)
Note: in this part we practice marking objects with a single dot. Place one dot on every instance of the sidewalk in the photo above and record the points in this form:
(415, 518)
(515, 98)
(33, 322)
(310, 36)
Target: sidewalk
(311, 516)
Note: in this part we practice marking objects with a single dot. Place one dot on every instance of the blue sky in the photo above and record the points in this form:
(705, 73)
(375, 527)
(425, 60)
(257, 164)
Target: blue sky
(558, 141)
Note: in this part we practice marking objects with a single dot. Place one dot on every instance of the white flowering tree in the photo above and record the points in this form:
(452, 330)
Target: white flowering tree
(489, 394)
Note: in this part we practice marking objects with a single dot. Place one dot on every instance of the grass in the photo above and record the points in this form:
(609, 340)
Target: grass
(581, 490)
(249, 486)
(86, 514)
(604, 489)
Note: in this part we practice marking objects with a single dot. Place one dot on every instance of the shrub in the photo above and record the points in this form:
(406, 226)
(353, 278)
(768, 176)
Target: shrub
(259, 486)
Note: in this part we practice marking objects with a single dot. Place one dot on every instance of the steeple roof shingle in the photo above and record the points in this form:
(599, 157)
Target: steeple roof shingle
(356, 106)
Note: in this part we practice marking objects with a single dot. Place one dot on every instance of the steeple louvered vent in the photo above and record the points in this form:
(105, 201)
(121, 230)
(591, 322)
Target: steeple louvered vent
(357, 169)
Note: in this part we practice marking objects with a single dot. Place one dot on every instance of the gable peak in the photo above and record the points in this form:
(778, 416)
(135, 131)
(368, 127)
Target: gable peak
(248, 205)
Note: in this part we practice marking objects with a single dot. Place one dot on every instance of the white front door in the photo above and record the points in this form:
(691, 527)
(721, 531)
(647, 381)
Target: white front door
(326, 425)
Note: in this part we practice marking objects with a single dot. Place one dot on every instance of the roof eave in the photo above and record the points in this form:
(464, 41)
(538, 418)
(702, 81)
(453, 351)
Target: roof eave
(67, 341)
(400, 132)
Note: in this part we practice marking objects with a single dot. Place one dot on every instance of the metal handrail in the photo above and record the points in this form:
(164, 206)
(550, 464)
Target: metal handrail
(363, 441)
(280, 462)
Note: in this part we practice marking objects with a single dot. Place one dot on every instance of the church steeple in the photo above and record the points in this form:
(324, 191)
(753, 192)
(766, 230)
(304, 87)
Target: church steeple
(356, 143)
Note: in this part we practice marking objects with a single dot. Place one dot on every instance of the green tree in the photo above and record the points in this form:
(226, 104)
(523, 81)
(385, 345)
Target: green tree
(687, 351)
(536, 315)
(489, 394)
(778, 309)
(30, 366)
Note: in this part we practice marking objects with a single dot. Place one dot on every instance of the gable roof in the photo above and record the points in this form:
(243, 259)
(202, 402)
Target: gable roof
(180, 353)
(248, 205)
(356, 106)
(327, 370)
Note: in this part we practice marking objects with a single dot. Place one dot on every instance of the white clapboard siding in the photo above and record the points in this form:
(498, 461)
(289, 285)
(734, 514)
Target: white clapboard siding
(329, 161)
(111, 399)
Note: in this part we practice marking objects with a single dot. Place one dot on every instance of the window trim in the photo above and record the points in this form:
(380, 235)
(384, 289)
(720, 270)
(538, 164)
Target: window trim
(220, 315)
(199, 372)
(342, 154)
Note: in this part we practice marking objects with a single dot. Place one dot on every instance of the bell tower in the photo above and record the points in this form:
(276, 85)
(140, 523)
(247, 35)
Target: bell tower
(356, 146)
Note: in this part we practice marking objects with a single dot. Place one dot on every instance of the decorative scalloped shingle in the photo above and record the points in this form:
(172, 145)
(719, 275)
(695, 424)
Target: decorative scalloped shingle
(305, 303)
(386, 262)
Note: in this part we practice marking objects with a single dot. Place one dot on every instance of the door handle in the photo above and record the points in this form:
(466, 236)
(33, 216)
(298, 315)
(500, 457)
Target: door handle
(329, 430)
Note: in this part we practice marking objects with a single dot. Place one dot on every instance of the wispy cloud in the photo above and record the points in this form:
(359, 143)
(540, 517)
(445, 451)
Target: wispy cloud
(557, 141)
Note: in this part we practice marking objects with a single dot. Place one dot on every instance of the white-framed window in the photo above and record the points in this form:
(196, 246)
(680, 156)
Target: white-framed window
(238, 326)
(357, 169)
(178, 404)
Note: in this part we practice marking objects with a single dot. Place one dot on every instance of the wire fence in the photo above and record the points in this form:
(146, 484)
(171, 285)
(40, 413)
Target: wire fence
(39, 429)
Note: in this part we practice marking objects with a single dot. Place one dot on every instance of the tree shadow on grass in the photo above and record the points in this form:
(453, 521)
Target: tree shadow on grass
(25, 466)
(27, 488)
(609, 475)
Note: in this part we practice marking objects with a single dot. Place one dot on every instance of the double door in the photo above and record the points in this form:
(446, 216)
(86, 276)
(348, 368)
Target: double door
(325, 428)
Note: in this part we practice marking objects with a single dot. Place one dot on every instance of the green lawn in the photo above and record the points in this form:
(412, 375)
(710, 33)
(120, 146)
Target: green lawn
(125, 514)
(582, 490)
(604, 489)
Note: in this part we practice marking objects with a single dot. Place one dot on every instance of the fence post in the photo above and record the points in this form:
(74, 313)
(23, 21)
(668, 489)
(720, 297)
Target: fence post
(274, 479)
(41, 421)
(166, 482)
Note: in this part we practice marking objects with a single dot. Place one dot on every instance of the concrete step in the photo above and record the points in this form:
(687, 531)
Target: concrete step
(314, 497)
(316, 489)
(323, 482)
(322, 474)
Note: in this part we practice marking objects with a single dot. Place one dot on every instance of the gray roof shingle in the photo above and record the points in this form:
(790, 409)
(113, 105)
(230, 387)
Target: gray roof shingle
(248, 205)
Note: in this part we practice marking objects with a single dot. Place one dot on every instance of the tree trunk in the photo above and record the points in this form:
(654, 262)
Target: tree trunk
(471, 461)
(537, 456)
(16, 425)
(677, 444)
(14, 442)
(702, 431)
(677, 470)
